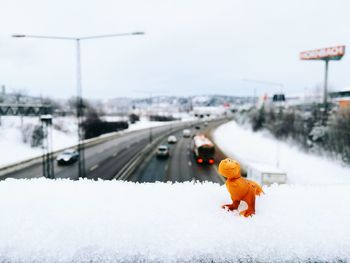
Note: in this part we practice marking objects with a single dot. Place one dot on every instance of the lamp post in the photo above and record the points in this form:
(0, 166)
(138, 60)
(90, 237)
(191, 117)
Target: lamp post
(80, 106)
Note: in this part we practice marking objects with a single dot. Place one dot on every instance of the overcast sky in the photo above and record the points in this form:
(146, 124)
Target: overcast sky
(190, 47)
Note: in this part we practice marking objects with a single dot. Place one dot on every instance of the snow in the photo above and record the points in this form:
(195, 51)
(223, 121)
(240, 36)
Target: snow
(216, 111)
(265, 168)
(144, 124)
(10, 148)
(113, 221)
(306, 220)
(302, 168)
(13, 149)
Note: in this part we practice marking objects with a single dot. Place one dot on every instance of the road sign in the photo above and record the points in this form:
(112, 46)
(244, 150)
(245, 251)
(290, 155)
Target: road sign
(24, 110)
(330, 53)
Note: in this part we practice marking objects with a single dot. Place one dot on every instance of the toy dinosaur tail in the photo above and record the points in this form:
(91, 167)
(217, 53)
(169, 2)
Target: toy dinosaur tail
(257, 187)
(258, 190)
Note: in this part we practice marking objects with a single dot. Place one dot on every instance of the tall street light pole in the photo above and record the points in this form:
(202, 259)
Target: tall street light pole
(80, 104)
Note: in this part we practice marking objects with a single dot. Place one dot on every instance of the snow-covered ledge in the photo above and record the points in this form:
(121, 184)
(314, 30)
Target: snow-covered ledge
(110, 221)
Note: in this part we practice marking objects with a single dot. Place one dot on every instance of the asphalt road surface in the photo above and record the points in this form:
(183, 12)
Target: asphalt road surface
(181, 165)
(103, 160)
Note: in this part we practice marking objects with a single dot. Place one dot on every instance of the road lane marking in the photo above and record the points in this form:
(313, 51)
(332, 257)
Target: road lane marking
(166, 167)
(115, 154)
(93, 167)
(189, 163)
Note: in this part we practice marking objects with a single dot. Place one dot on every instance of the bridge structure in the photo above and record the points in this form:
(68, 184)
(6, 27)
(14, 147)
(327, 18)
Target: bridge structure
(24, 109)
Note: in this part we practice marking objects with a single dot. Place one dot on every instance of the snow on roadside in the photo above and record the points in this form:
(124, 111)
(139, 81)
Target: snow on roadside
(302, 168)
(144, 123)
(13, 149)
(71, 221)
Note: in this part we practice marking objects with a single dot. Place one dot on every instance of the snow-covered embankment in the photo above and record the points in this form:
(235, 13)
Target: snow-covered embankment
(302, 168)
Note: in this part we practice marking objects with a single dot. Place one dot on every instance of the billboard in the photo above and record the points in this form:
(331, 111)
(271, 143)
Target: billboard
(329, 53)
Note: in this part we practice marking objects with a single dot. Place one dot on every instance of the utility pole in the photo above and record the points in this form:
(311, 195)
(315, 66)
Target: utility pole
(48, 162)
(80, 114)
(325, 92)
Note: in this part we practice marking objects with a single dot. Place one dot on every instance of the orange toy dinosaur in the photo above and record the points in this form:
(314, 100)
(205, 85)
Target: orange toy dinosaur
(239, 188)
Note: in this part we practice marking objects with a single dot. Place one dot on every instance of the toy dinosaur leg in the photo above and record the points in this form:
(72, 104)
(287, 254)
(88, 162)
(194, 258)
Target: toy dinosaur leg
(250, 200)
(232, 206)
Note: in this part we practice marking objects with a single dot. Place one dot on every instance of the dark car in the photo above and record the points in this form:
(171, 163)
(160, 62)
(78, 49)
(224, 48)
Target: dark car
(67, 157)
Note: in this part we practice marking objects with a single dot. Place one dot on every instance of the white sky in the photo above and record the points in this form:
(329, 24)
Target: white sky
(190, 46)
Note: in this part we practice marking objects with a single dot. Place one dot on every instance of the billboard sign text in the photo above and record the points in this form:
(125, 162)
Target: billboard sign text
(330, 53)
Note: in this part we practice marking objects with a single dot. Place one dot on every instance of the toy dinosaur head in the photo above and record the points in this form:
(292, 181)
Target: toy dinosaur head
(230, 169)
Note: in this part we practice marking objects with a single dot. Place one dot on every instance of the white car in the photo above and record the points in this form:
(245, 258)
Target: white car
(67, 157)
(162, 151)
(186, 133)
(172, 139)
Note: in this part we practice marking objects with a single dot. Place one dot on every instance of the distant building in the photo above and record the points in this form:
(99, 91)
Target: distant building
(204, 112)
(341, 97)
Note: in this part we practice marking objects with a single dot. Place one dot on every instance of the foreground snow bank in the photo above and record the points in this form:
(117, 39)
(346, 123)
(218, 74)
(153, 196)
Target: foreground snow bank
(112, 221)
(302, 168)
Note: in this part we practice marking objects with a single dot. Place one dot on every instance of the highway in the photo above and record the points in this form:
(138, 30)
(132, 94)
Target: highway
(103, 160)
(181, 165)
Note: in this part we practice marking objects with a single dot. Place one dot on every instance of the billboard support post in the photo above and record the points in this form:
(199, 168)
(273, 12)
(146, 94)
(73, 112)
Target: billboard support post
(325, 88)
